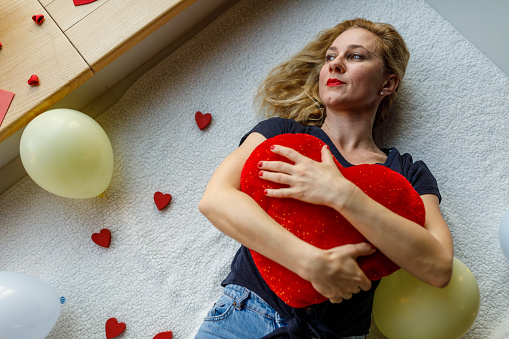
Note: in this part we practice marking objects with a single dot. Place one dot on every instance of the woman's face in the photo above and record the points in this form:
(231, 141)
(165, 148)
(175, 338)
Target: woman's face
(353, 74)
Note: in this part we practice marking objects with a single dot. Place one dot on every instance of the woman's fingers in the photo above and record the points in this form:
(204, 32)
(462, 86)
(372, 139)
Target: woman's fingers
(275, 166)
(308, 180)
(279, 178)
(295, 156)
(338, 275)
(287, 152)
(362, 249)
(346, 296)
(327, 156)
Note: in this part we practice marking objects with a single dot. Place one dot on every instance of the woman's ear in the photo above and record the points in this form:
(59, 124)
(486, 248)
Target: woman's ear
(390, 84)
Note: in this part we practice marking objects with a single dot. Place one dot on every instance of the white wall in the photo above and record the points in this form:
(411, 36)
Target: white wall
(483, 22)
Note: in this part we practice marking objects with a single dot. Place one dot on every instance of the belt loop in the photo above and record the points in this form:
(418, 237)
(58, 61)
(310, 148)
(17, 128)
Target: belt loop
(240, 300)
(280, 321)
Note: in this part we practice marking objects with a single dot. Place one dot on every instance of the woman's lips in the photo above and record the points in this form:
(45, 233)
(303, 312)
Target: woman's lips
(334, 82)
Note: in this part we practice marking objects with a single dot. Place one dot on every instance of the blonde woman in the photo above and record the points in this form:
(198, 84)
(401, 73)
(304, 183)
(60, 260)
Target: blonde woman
(337, 88)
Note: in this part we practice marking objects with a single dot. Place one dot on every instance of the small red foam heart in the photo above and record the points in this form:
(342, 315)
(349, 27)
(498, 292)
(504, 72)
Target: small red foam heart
(114, 328)
(164, 335)
(320, 225)
(82, 2)
(161, 200)
(103, 238)
(202, 120)
(34, 80)
(38, 18)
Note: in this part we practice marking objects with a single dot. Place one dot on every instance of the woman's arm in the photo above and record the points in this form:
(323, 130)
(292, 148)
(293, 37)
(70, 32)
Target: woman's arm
(426, 252)
(334, 273)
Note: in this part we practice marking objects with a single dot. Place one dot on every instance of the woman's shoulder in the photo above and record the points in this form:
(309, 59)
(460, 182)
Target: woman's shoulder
(274, 126)
(284, 124)
(416, 172)
(403, 160)
(402, 163)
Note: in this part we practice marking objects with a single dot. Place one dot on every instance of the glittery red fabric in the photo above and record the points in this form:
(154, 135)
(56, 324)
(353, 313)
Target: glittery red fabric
(320, 225)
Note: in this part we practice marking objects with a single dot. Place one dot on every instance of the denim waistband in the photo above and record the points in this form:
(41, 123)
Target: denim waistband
(246, 298)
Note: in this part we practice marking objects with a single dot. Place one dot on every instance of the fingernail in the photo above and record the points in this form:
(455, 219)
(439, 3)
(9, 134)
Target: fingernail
(272, 147)
(260, 164)
(260, 173)
(265, 192)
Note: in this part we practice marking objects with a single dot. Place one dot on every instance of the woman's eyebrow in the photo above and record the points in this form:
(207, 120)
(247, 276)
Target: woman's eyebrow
(351, 46)
(354, 46)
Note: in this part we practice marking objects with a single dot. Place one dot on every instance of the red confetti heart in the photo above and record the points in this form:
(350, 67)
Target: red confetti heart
(161, 200)
(82, 2)
(202, 120)
(114, 328)
(103, 238)
(38, 18)
(164, 335)
(34, 80)
(320, 225)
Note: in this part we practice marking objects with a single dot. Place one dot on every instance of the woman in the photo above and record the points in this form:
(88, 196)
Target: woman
(337, 88)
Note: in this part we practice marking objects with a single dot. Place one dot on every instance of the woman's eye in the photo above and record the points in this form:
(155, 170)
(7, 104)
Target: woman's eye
(357, 56)
(329, 57)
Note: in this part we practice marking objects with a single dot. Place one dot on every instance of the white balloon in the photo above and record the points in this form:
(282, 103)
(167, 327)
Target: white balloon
(503, 234)
(29, 308)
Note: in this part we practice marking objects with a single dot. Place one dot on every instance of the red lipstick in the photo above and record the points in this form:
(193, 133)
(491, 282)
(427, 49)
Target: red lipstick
(334, 82)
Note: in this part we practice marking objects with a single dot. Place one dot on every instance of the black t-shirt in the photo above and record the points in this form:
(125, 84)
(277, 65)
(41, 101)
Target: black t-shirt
(326, 320)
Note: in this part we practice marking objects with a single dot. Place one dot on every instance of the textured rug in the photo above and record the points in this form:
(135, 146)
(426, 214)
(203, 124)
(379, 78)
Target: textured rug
(163, 268)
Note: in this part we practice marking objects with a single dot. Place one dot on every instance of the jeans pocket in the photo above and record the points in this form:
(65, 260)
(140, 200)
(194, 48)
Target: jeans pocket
(222, 309)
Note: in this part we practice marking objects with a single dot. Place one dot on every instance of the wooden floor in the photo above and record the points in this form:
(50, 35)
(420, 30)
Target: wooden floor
(68, 48)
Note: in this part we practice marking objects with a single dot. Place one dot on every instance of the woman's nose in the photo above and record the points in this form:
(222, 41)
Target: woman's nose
(336, 66)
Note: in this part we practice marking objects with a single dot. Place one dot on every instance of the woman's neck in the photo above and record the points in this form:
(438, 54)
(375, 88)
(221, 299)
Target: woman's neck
(349, 132)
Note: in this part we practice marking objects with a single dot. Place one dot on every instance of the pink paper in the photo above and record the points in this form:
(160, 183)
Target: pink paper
(5, 102)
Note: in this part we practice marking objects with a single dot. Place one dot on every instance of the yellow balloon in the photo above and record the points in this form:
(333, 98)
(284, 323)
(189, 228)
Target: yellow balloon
(67, 153)
(406, 308)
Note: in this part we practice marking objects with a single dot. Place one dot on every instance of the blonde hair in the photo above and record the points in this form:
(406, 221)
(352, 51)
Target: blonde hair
(291, 89)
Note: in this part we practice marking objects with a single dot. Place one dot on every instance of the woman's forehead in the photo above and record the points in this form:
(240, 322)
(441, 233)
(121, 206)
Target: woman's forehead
(357, 37)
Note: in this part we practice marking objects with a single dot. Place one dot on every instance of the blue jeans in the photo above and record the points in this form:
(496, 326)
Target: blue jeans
(241, 313)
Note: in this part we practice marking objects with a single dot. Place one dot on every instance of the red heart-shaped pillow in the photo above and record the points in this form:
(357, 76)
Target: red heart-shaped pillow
(320, 225)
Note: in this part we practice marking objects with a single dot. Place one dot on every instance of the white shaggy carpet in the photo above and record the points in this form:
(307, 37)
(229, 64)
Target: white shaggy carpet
(163, 268)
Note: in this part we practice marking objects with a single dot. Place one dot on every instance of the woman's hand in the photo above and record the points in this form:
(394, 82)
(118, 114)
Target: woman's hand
(319, 183)
(335, 273)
